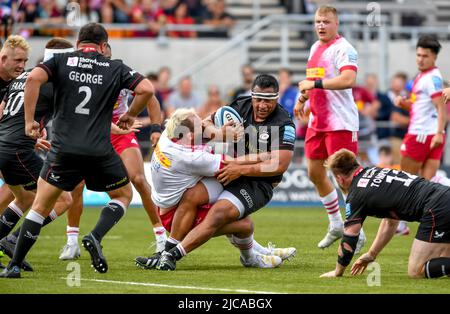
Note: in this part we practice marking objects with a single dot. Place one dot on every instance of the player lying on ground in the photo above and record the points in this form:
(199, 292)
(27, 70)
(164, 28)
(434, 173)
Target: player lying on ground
(127, 147)
(248, 188)
(87, 86)
(392, 195)
(180, 171)
(19, 161)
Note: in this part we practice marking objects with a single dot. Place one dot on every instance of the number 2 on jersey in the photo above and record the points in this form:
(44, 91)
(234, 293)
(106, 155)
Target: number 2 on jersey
(80, 108)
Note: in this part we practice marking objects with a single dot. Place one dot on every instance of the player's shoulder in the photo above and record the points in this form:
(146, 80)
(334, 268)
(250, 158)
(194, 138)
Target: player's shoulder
(342, 44)
(241, 104)
(281, 116)
(435, 73)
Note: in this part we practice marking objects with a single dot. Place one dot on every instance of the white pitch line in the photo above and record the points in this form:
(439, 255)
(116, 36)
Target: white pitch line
(149, 284)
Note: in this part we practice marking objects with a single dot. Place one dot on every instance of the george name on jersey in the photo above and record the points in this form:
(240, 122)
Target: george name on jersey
(86, 78)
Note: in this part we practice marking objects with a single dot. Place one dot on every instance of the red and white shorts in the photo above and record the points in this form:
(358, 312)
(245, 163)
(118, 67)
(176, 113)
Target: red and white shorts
(121, 142)
(167, 218)
(417, 147)
(321, 145)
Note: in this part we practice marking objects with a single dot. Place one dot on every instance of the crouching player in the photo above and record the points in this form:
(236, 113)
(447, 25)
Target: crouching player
(182, 180)
(392, 195)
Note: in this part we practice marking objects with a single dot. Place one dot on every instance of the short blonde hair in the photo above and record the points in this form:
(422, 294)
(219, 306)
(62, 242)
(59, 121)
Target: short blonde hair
(16, 41)
(180, 118)
(342, 162)
(324, 9)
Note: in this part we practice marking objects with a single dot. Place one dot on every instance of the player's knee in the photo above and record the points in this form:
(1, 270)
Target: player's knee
(247, 226)
(139, 181)
(415, 271)
(191, 197)
(67, 200)
(315, 176)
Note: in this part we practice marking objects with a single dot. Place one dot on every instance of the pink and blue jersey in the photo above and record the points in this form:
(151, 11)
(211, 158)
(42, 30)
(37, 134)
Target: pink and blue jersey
(424, 115)
(332, 110)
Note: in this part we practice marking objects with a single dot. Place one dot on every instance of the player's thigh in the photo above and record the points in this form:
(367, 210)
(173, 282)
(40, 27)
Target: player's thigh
(421, 252)
(22, 169)
(63, 171)
(410, 165)
(429, 168)
(337, 140)
(105, 173)
(315, 147)
(213, 189)
(133, 161)
(246, 195)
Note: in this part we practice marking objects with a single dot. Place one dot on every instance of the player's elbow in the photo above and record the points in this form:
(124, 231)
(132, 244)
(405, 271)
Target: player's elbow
(145, 87)
(350, 81)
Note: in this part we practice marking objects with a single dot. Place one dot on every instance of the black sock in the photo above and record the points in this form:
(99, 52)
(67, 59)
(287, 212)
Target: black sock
(175, 252)
(169, 245)
(110, 215)
(437, 267)
(15, 235)
(28, 236)
(8, 221)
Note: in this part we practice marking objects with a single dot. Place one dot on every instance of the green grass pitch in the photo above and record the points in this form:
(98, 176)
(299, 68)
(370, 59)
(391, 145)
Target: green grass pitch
(215, 267)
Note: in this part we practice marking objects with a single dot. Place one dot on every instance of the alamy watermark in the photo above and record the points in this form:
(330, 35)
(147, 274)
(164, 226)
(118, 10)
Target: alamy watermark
(374, 16)
(73, 279)
(374, 275)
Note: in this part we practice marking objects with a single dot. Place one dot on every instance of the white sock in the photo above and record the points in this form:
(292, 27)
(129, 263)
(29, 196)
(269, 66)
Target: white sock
(260, 249)
(245, 245)
(331, 204)
(441, 180)
(72, 235)
(159, 232)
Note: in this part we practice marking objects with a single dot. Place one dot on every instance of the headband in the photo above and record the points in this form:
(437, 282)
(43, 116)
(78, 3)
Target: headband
(269, 96)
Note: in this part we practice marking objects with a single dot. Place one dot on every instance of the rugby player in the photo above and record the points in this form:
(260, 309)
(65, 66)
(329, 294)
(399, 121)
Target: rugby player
(248, 188)
(19, 161)
(86, 87)
(12, 64)
(423, 145)
(333, 120)
(177, 165)
(127, 147)
(392, 195)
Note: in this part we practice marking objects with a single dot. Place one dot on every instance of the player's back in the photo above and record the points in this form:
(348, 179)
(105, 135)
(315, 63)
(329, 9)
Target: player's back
(175, 168)
(86, 86)
(385, 192)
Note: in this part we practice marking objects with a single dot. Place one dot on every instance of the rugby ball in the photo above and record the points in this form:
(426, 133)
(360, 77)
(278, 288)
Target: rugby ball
(226, 114)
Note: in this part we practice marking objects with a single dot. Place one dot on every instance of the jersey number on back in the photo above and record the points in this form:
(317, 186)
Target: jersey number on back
(80, 108)
(14, 104)
(406, 182)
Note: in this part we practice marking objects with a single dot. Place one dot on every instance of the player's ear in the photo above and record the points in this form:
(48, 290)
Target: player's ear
(103, 47)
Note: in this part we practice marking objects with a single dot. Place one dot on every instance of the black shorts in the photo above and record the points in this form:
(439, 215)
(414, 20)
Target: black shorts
(21, 168)
(434, 225)
(248, 195)
(100, 173)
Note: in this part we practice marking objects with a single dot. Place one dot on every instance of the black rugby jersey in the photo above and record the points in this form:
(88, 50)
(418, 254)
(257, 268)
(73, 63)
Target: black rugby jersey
(277, 132)
(86, 86)
(388, 193)
(12, 123)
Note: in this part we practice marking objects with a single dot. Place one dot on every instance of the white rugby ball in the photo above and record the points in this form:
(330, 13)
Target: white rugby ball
(226, 114)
